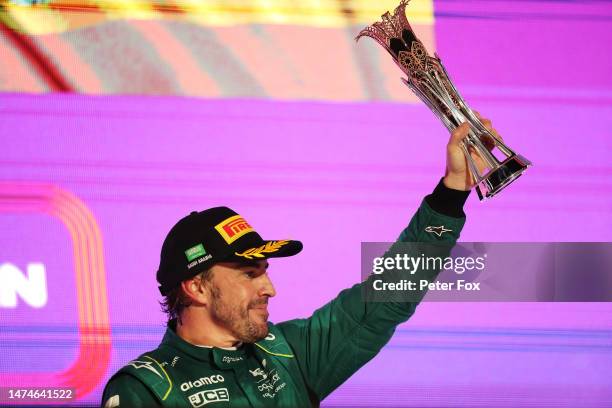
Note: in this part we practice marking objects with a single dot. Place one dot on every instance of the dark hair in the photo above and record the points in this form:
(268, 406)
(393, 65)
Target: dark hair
(176, 300)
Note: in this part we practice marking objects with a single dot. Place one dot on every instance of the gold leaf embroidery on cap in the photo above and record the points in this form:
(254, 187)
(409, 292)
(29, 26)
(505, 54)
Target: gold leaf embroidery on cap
(271, 246)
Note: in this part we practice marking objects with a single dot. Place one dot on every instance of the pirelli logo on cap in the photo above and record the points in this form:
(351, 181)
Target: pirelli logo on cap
(233, 228)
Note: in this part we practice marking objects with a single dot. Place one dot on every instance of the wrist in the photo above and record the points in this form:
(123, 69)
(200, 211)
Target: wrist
(456, 182)
(447, 201)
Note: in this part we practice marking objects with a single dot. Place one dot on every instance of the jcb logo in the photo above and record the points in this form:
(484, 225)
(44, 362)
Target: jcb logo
(31, 287)
(206, 397)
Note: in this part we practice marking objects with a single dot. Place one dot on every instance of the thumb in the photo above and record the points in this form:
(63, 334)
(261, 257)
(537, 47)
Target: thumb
(459, 134)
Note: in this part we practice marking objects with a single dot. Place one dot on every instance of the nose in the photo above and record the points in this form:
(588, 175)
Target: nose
(266, 288)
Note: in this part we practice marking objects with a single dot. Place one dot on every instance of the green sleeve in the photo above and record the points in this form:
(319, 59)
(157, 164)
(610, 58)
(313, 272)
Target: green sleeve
(128, 392)
(346, 333)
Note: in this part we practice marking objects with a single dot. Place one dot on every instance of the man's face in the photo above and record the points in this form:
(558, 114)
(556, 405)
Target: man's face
(240, 293)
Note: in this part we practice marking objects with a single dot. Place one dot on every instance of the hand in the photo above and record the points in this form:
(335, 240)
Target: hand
(458, 175)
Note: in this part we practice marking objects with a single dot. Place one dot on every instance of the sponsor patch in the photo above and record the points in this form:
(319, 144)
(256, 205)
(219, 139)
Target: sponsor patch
(229, 360)
(269, 383)
(199, 399)
(202, 381)
(195, 252)
(144, 364)
(233, 228)
(437, 230)
(199, 261)
(259, 371)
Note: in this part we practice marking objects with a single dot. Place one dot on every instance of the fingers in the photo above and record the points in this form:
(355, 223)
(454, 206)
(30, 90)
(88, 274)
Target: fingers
(486, 122)
(488, 125)
(497, 135)
(459, 134)
(462, 131)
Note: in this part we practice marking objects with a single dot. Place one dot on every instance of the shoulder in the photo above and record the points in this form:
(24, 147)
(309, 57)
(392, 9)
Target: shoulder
(150, 364)
(124, 390)
(275, 343)
(146, 374)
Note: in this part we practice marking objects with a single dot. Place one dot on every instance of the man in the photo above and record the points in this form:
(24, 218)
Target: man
(219, 348)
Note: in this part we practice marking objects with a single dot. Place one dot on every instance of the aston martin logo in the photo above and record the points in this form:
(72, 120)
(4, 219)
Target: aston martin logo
(437, 230)
(260, 372)
(137, 364)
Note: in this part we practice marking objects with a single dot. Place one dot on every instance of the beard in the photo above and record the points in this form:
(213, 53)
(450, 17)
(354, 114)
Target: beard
(236, 319)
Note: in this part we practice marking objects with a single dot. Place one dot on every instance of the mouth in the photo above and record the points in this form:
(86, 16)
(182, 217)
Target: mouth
(261, 309)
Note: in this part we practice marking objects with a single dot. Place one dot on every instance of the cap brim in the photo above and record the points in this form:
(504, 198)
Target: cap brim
(269, 249)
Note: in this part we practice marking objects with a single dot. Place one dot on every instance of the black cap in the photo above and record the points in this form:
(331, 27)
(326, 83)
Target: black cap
(204, 238)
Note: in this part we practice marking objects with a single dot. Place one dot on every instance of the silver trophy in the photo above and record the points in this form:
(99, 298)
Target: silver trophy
(430, 82)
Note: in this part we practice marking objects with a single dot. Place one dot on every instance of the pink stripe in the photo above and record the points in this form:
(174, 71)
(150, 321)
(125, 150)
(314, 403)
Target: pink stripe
(406, 199)
(271, 69)
(94, 331)
(353, 184)
(80, 74)
(308, 52)
(192, 79)
(312, 168)
(15, 74)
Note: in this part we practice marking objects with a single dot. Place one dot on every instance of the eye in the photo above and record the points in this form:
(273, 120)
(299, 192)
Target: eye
(251, 274)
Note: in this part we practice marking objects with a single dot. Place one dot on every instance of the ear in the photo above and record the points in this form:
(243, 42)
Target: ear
(196, 291)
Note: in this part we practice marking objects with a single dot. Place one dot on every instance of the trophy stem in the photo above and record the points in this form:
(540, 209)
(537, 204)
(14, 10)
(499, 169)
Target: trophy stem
(473, 168)
(482, 150)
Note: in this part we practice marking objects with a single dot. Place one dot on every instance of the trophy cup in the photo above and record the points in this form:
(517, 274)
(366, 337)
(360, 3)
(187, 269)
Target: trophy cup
(429, 81)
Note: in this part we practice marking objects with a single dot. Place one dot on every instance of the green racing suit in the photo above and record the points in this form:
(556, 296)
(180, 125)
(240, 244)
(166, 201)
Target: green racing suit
(298, 364)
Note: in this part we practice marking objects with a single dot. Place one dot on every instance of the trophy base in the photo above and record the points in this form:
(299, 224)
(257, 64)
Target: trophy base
(511, 169)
